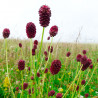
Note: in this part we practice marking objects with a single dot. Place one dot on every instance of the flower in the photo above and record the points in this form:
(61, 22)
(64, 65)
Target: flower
(29, 68)
(91, 90)
(20, 45)
(59, 79)
(77, 88)
(50, 49)
(29, 91)
(82, 82)
(91, 66)
(46, 70)
(17, 88)
(84, 51)
(45, 53)
(68, 54)
(21, 64)
(45, 14)
(6, 82)
(38, 74)
(34, 46)
(86, 95)
(25, 85)
(31, 30)
(36, 42)
(32, 78)
(79, 56)
(51, 93)
(53, 31)
(59, 95)
(60, 90)
(69, 73)
(6, 33)
(46, 58)
(33, 51)
(55, 67)
(48, 38)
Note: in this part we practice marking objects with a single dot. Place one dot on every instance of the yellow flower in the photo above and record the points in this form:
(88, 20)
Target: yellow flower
(69, 73)
(6, 82)
(59, 79)
(91, 90)
(60, 90)
(5, 89)
(17, 70)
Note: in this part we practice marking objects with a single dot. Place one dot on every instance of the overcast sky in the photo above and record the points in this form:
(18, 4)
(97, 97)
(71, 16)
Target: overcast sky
(69, 15)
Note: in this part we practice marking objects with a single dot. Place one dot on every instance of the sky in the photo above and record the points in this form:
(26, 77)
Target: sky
(71, 17)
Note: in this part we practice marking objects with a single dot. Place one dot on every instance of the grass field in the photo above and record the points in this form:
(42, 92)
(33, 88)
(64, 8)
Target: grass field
(43, 84)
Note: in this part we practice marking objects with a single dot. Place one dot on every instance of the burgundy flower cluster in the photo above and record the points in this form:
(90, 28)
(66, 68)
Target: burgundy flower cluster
(45, 14)
(21, 64)
(50, 49)
(55, 67)
(20, 45)
(6, 33)
(86, 62)
(46, 55)
(34, 47)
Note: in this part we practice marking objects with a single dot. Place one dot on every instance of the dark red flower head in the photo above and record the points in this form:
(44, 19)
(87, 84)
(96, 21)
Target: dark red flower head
(46, 70)
(20, 45)
(55, 67)
(48, 38)
(84, 51)
(77, 88)
(59, 95)
(29, 91)
(17, 88)
(45, 14)
(50, 49)
(86, 95)
(33, 51)
(83, 82)
(45, 53)
(53, 31)
(36, 42)
(86, 64)
(29, 68)
(79, 56)
(21, 64)
(32, 78)
(6, 33)
(25, 85)
(38, 74)
(46, 58)
(91, 66)
(34, 46)
(84, 59)
(51, 93)
(31, 30)
(68, 54)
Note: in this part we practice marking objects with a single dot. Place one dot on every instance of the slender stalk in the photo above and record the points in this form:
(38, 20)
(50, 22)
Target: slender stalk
(22, 84)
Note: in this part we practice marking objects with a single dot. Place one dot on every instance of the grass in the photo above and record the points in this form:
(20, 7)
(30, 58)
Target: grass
(51, 82)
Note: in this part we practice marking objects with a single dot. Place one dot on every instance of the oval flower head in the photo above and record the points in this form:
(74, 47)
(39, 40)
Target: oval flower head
(30, 30)
(55, 67)
(53, 31)
(21, 64)
(45, 14)
(6, 33)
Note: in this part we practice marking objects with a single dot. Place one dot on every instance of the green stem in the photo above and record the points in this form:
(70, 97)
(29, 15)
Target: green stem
(22, 84)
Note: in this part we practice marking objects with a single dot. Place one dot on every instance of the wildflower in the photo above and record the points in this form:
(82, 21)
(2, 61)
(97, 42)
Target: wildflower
(46, 58)
(17, 70)
(45, 14)
(20, 45)
(17, 88)
(91, 90)
(86, 95)
(29, 68)
(46, 70)
(50, 49)
(68, 54)
(77, 88)
(79, 56)
(91, 66)
(60, 90)
(53, 31)
(38, 74)
(69, 73)
(59, 95)
(55, 67)
(59, 79)
(6, 33)
(25, 85)
(29, 91)
(6, 82)
(84, 51)
(45, 53)
(21, 64)
(33, 51)
(51, 93)
(34, 46)
(36, 42)
(31, 30)
(48, 38)
(82, 82)
(32, 78)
